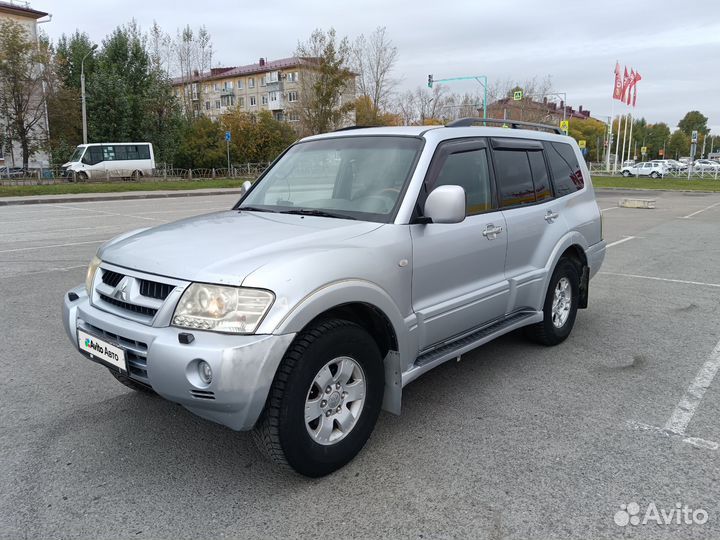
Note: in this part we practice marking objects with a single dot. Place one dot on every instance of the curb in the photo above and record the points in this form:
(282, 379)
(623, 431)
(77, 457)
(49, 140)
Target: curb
(653, 189)
(124, 197)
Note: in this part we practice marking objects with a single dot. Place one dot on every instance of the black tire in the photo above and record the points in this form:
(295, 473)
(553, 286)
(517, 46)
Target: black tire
(281, 433)
(545, 332)
(137, 175)
(127, 381)
(82, 176)
(654, 175)
(626, 174)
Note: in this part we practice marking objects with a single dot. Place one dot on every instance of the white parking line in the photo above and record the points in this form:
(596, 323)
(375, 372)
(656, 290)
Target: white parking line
(61, 269)
(619, 241)
(699, 211)
(608, 209)
(108, 213)
(53, 246)
(685, 282)
(685, 410)
(54, 230)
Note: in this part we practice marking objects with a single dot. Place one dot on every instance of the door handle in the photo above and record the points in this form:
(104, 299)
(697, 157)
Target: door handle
(491, 231)
(550, 216)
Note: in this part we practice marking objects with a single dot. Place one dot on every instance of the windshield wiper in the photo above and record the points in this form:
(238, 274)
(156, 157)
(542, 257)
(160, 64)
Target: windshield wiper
(256, 209)
(316, 212)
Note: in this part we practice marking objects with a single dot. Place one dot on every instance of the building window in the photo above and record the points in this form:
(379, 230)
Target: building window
(207, 105)
(239, 84)
(216, 87)
(273, 76)
(241, 102)
(206, 88)
(253, 101)
(251, 82)
(264, 99)
(217, 103)
(263, 80)
(228, 85)
(292, 76)
(227, 101)
(292, 117)
(292, 96)
(273, 96)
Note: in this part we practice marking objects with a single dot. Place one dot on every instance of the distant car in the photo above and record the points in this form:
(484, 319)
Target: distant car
(685, 160)
(652, 169)
(628, 163)
(706, 165)
(13, 172)
(671, 165)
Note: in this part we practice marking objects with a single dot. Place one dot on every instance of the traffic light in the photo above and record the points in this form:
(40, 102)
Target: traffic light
(430, 81)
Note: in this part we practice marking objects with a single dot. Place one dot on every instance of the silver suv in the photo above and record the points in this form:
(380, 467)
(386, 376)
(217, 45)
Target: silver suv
(360, 260)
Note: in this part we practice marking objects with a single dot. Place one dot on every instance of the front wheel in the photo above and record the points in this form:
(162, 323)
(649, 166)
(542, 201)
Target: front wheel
(560, 308)
(654, 175)
(325, 399)
(626, 174)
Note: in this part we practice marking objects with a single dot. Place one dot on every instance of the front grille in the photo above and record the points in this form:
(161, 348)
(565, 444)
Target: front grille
(135, 351)
(153, 289)
(130, 307)
(111, 278)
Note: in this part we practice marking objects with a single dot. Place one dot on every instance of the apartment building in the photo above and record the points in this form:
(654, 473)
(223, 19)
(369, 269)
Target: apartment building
(272, 85)
(11, 154)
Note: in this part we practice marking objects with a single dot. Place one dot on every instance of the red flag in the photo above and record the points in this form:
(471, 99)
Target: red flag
(638, 78)
(617, 91)
(625, 85)
(630, 85)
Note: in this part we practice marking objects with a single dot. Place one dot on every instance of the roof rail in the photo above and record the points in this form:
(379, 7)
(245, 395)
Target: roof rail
(514, 124)
(349, 128)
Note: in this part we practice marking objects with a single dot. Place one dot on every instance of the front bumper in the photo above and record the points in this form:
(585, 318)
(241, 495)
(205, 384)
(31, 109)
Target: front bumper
(243, 366)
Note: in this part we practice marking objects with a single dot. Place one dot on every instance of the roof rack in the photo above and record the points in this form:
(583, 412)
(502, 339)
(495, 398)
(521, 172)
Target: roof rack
(349, 128)
(514, 124)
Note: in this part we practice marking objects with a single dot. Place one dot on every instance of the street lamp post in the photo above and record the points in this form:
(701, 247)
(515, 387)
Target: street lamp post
(82, 92)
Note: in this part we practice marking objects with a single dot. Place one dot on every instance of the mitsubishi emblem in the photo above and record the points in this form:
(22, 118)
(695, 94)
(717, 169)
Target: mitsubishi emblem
(120, 291)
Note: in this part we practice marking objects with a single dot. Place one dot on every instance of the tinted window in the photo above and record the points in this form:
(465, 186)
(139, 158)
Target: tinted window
(468, 170)
(120, 152)
(540, 176)
(93, 156)
(567, 176)
(143, 151)
(514, 179)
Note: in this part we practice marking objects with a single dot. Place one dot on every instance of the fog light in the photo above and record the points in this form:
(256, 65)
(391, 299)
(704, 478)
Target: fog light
(205, 372)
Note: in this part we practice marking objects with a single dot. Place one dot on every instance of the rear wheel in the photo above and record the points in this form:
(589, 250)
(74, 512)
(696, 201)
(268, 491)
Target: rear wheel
(325, 399)
(654, 174)
(82, 175)
(137, 175)
(626, 173)
(560, 308)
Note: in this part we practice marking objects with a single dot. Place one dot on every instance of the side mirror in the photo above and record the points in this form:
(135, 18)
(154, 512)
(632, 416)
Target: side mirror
(246, 185)
(446, 204)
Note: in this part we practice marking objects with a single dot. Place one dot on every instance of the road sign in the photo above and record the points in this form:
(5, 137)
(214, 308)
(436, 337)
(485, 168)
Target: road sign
(227, 135)
(565, 126)
(517, 95)
(643, 150)
(582, 143)
(694, 137)
(430, 81)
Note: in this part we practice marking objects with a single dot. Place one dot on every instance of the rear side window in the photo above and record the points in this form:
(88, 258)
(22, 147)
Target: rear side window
(514, 178)
(470, 171)
(541, 181)
(566, 172)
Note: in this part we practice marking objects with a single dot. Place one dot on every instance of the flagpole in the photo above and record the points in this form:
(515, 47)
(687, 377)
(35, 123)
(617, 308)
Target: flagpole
(617, 143)
(622, 159)
(630, 137)
(610, 138)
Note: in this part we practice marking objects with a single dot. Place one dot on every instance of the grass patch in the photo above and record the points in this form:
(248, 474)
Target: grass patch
(694, 184)
(116, 187)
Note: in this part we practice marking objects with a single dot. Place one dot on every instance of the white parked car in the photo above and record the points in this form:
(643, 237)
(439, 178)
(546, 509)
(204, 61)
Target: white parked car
(706, 165)
(652, 169)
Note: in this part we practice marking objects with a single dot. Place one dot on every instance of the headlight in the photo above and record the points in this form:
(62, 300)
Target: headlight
(90, 276)
(235, 310)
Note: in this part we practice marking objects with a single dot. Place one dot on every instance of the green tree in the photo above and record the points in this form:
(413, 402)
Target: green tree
(592, 132)
(323, 82)
(202, 145)
(678, 145)
(69, 54)
(22, 99)
(256, 137)
(693, 121)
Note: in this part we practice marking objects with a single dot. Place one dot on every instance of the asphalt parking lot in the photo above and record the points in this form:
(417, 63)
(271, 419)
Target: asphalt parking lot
(514, 441)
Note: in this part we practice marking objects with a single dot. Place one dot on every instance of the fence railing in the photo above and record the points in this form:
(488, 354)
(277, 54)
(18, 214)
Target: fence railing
(56, 175)
(692, 172)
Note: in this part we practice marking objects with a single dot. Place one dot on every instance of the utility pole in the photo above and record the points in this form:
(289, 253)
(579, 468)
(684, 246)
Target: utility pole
(82, 92)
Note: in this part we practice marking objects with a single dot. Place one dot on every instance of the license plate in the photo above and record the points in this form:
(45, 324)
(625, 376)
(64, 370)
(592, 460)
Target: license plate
(102, 350)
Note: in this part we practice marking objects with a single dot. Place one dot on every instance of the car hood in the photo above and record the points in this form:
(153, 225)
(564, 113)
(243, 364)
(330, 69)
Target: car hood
(225, 247)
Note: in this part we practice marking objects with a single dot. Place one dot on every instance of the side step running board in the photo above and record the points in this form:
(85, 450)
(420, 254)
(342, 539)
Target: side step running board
(435, 357)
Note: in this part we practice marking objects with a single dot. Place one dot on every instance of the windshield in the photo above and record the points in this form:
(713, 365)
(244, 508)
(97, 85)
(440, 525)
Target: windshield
(352, 177)
(77, 154)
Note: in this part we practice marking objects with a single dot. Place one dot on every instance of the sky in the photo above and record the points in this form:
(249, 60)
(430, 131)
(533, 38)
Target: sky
(674, 45)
